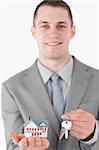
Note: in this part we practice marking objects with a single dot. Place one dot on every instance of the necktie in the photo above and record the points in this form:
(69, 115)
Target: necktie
(57, 97)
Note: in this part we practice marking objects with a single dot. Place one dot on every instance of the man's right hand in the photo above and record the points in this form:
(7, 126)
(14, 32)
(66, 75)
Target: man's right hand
(31, 143)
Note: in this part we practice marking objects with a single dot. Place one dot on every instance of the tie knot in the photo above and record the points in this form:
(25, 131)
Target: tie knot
(55, 78)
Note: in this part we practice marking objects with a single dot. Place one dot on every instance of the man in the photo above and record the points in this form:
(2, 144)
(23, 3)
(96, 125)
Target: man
(31, 92)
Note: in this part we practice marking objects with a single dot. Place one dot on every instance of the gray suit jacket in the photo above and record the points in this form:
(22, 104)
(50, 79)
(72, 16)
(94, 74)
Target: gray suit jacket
(25, 95)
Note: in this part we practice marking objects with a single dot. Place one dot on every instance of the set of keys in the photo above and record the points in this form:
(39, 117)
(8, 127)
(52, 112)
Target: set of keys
(65, 127)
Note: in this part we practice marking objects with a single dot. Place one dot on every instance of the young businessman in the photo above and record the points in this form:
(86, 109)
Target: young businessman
(30, 93)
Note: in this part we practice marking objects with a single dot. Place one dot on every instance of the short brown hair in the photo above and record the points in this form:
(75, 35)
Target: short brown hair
(54, 3)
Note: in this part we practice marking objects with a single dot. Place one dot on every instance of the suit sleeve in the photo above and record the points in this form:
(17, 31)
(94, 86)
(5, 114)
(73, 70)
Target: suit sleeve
(11, 116)
(93, 146)
(94, 136)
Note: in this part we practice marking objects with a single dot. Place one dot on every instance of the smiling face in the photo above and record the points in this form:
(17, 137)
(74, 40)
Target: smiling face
(53, 32)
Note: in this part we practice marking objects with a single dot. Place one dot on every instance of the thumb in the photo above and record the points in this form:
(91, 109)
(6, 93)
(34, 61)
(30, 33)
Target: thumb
(15, 137)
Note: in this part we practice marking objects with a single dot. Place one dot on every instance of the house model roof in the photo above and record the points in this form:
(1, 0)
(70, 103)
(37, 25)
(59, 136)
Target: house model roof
(30, 123)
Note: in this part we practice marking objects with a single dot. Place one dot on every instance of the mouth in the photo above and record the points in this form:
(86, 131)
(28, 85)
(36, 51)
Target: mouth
(53, 43)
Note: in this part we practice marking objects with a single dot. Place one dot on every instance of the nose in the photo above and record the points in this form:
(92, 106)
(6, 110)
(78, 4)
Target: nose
(53, 32)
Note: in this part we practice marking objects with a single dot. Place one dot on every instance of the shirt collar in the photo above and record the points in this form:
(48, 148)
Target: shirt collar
(65, 73)
(44, 72)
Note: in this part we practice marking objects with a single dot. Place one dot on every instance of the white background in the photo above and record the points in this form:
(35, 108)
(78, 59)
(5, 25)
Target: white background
(18, 49)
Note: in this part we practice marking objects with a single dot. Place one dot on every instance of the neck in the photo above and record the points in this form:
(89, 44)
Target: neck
(55, 65)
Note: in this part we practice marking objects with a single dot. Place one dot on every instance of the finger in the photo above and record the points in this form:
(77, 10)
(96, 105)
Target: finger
(76, 116)
(80, 124)
(16, 138)
(23, 144)
(79, 135)
(38, 142)
(77, 111)
(35, 143)
(31, 141)
(45, 143)
(81, 132)
(76, 134)
(77, 128)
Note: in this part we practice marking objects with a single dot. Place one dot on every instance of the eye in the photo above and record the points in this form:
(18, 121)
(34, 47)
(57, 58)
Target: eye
(61, 26)
(45, 26)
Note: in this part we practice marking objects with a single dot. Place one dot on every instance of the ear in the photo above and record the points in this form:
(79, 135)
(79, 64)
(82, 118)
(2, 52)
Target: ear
(33, 30)
(73, 31)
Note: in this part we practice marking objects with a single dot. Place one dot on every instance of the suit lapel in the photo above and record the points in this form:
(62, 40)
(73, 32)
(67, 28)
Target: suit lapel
(79, 84)
(36, 87)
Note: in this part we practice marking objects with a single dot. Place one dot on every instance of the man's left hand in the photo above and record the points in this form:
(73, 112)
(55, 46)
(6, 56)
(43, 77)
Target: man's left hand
(83, 123)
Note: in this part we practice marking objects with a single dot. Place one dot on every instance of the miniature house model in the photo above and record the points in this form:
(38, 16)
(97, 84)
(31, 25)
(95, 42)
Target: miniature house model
(31, 129)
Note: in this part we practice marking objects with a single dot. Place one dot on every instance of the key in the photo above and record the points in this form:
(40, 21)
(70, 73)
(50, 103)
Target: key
(67, 126)
(62, 132)
(66, 134)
